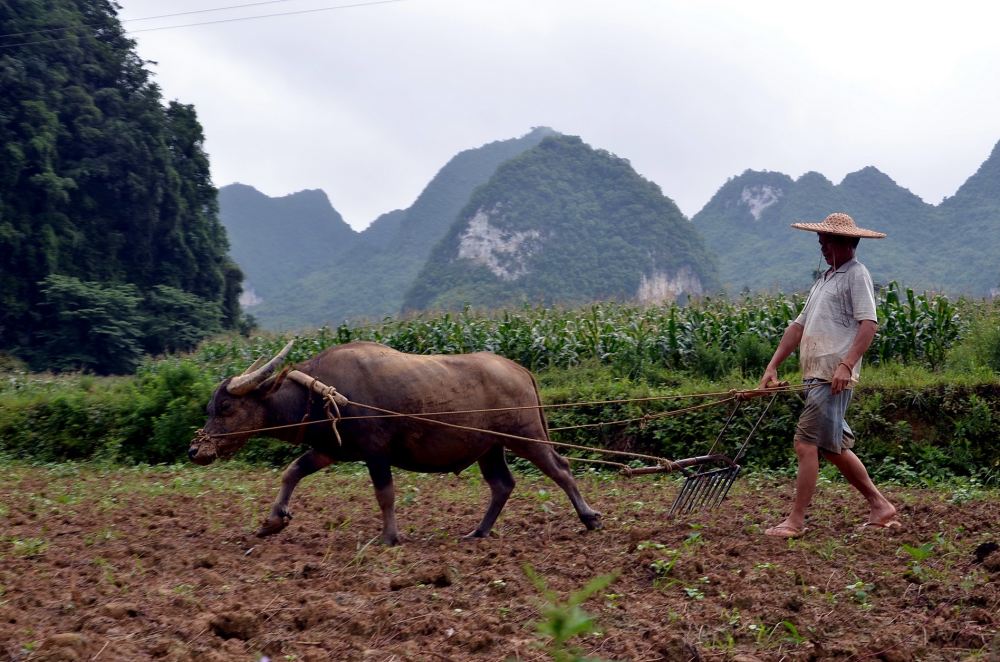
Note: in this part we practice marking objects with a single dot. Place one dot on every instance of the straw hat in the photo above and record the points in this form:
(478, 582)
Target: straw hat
(841, 224)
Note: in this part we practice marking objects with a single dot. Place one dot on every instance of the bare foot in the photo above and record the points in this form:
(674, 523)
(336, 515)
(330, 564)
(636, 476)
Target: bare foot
(882, 514)
(786, 530)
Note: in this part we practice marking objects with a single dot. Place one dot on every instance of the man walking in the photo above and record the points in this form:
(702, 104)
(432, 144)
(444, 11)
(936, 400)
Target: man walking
(833, 331)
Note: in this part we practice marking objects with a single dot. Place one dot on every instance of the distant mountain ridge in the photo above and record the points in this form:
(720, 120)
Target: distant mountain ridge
(953, 247)
(275, 240)
(565, 223)
(493, 225)
(368, 275)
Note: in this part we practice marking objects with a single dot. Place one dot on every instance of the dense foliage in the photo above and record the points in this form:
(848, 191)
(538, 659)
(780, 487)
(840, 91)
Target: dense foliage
(953, 247)
(708, 338)
(110, 243)
(590, 229)
(912, 422)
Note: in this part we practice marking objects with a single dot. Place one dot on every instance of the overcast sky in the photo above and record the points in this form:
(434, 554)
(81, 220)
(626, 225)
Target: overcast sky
(369, 102)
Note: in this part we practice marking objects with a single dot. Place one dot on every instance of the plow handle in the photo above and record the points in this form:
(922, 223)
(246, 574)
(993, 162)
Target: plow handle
(758, 392)
(680, 464)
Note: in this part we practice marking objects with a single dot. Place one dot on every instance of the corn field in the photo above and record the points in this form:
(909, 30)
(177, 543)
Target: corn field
(711, 337)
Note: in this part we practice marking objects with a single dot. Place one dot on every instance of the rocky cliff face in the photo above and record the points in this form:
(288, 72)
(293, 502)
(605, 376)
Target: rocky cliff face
(565, 223)
(505, 253)
(663, 287)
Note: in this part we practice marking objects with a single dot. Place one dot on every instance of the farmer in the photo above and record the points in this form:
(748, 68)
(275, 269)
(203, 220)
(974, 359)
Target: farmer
(833, 331)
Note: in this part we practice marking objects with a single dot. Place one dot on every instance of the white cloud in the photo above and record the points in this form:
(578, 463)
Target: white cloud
(368, 103)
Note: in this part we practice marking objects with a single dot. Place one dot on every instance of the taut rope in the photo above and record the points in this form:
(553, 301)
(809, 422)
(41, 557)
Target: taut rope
(334, 400)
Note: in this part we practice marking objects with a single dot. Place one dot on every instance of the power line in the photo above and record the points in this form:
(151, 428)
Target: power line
(288, 13)
(224, 20)
(135, 20)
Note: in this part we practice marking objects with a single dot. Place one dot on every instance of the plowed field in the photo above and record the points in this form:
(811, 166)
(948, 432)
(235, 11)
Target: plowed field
(161, 564)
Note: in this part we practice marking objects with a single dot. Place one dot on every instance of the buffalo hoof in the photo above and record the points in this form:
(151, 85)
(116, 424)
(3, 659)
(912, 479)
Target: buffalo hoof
(273, 524)
(477, 535)
(593, 522)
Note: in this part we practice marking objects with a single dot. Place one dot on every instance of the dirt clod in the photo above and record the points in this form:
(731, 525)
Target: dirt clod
(119, 610)
(234, 625)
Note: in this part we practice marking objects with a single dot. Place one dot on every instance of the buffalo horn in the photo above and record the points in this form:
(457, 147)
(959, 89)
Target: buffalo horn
(256, 364)
(247, 382)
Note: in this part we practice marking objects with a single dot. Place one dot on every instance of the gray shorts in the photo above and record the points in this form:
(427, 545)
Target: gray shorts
(822, 421)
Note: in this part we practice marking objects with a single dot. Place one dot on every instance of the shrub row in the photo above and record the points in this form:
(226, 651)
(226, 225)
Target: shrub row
(903, 433)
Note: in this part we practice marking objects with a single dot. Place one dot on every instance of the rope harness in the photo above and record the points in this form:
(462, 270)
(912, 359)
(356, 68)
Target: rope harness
(334, 400)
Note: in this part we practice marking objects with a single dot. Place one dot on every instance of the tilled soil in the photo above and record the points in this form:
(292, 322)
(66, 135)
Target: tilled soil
(161, 563)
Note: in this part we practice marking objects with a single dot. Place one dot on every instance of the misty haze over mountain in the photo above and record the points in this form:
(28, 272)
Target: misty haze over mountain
(506, 223)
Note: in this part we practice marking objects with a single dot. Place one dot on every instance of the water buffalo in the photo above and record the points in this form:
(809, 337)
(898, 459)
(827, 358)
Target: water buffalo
(370, 373)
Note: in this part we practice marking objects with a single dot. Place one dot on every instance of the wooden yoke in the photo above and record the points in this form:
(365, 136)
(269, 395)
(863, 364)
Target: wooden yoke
(334, 399)
(318, 387)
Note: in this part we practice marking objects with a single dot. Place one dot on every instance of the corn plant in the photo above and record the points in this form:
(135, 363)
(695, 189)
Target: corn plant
(914, 327)
(631, 339)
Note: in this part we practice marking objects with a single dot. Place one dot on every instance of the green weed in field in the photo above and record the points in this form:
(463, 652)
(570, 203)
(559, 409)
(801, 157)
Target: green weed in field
(860, 592)
(917, 555)
(29, 547)
(563, 621)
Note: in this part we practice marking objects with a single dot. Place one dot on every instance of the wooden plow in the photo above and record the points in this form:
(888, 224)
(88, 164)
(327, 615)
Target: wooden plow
(708, 478)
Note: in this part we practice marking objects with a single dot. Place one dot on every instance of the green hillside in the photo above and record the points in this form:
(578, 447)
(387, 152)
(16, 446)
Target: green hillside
(565, 223)
(276, 240)
(370, 279)
(973, 226)
(953, 247)
(110, 242)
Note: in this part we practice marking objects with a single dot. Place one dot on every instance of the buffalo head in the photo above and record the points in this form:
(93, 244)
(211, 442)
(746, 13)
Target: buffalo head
(234, 412)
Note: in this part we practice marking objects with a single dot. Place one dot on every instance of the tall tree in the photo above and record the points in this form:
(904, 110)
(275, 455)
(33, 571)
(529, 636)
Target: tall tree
(99, 182)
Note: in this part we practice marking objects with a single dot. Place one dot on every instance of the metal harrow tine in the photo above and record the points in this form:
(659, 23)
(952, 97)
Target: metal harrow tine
(725, 483)
(681, 496)
(685, 499)
(719, 488)
(711, 490)
(701, 489)
(706, 489)
(710, 480)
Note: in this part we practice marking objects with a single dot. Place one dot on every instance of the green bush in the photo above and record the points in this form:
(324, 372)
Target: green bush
(709, 361)
(169, 406)
(979, 346)
(752, 355)
(62, 420)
